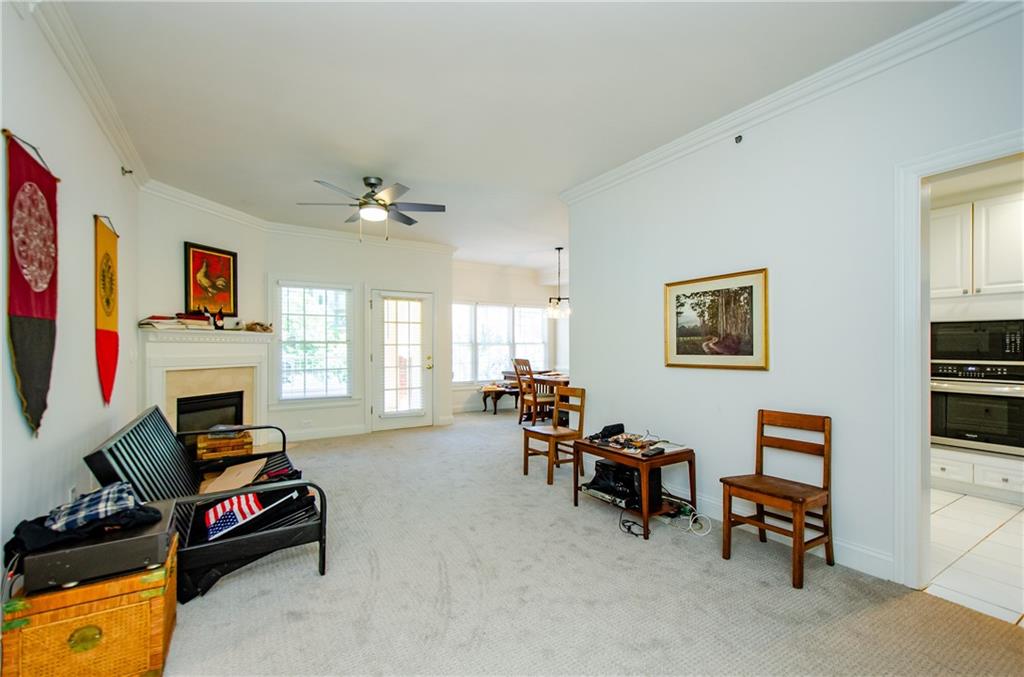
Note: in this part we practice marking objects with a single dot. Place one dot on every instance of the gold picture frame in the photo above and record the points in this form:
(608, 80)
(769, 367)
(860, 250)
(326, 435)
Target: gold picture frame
(718, 322)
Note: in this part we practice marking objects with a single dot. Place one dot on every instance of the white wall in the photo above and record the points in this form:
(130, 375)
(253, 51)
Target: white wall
(41, 104)
(270, 252)
(507, 285)
(809, 194)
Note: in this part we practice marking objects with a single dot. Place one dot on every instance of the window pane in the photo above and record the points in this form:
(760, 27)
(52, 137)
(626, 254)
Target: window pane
(337, 382)
(492, 324)
(530, 325)
(316, 327)
(293, 328)
(337, 356)
(314, 351)
(462, 362)
(534, 352)
(492, 361)
(337, 328)
(462, 323)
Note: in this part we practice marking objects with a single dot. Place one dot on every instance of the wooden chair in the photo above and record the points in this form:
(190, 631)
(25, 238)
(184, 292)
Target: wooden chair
(796, 497)
(528, 395)
(557, 438)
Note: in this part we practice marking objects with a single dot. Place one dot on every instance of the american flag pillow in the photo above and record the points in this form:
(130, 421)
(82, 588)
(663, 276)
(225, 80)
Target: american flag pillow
(228, 514)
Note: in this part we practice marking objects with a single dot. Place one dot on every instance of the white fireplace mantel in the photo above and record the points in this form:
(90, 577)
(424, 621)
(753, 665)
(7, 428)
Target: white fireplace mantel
(181, 350)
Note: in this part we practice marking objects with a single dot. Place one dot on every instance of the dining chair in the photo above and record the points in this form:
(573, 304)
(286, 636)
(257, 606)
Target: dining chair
(558, 439)
(798, 498)
(528, 395)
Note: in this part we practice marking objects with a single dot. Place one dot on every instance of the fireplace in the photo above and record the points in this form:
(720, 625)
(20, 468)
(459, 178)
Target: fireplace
(201, 412)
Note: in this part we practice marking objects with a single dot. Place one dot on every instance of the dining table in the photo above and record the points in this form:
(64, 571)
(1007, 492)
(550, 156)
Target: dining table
(545, 382)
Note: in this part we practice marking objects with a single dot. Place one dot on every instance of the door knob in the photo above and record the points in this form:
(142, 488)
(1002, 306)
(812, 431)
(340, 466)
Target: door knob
(965, 291)
(429, 366)
(978, 290)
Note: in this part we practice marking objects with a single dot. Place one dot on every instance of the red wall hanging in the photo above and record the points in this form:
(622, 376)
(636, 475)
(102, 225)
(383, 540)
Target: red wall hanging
(31, 276)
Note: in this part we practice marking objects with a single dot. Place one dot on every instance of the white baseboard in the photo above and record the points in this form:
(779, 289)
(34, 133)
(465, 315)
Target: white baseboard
(320, 433)
(854, 555)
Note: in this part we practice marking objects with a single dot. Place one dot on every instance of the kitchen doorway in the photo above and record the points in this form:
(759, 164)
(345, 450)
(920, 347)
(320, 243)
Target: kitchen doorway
(971, 533)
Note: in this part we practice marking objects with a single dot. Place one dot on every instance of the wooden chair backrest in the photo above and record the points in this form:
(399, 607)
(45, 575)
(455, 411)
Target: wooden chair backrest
(782, 419)
(564, 401)
(524, 376)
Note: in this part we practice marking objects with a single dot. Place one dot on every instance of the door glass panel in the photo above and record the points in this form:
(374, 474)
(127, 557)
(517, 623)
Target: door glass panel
(403, 390)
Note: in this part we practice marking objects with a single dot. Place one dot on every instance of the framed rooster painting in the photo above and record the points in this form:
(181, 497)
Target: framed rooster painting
(211, 277)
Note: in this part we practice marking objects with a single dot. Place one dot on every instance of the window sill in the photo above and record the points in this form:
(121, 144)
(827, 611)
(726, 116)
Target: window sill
(318, 403)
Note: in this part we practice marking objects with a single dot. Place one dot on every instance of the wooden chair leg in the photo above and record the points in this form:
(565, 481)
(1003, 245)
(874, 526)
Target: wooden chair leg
(526, 454)
(798, 546)
(726, 522)
(830, 557)
(522, 405)
(552, 451)
(533, 414)
(762, 535)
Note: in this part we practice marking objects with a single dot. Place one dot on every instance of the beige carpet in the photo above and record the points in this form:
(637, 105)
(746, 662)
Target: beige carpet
(444, 559)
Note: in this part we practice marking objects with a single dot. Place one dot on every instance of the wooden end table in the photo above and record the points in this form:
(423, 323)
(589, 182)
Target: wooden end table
(496, 392)
(673, 454)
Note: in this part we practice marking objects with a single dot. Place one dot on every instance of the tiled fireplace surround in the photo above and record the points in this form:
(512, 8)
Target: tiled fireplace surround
(186, 363)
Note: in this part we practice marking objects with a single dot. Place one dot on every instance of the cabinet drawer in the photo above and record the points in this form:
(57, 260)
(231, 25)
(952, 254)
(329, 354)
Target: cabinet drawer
(998, 478)
(953, 470)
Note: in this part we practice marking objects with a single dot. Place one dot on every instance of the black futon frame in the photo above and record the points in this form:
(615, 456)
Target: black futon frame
(148, 454)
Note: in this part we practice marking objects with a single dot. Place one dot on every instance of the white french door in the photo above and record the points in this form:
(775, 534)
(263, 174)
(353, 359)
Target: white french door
(401, 360)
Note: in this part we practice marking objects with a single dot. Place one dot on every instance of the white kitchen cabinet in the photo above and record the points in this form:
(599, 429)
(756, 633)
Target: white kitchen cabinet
(950, 251)
(999, 245)
(977, 247)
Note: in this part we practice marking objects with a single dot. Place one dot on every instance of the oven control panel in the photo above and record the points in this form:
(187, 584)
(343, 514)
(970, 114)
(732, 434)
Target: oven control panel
(987, 372)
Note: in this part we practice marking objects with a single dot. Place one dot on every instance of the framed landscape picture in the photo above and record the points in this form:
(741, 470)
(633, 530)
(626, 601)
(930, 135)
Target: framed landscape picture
(211, 277)
(718, 322)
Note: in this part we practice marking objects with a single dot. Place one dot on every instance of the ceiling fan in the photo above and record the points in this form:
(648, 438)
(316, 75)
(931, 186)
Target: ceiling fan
(377, 205)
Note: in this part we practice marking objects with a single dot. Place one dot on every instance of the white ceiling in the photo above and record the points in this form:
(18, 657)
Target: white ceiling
(493, 109)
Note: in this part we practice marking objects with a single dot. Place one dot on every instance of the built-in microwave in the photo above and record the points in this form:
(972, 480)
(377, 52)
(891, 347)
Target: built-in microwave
(989, 341)
(977, 415)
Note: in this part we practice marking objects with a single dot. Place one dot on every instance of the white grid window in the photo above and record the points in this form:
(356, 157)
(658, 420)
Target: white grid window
(485, 338)
(314, 342)
(403, 359)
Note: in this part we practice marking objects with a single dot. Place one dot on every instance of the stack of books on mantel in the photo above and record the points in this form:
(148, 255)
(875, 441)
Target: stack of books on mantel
(178, 321)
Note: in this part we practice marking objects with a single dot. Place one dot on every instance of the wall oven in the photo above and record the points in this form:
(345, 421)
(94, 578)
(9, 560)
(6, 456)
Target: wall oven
(986, 416)
(977, 386)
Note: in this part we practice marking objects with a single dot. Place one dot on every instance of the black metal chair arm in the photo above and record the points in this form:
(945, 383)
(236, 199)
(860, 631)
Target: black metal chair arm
(239, 428)
(258, 489)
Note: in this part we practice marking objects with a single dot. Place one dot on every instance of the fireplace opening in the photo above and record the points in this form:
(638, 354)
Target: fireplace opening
(202, 412)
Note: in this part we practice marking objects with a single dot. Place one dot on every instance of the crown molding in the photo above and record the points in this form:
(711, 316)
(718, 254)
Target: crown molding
(951, 25)
(506, 270)
(172, 194)
(59, 30)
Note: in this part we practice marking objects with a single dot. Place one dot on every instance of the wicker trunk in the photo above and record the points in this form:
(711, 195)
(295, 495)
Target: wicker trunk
(117, 626)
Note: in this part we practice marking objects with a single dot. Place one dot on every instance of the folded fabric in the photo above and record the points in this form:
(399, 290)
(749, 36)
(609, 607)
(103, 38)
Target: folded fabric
(103, 502)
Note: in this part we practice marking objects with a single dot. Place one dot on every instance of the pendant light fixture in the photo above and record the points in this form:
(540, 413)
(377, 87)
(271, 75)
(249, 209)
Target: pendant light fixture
(558, 306)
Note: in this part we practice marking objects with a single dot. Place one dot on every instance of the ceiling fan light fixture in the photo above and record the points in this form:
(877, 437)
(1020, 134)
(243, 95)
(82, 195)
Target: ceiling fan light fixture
(372, 212)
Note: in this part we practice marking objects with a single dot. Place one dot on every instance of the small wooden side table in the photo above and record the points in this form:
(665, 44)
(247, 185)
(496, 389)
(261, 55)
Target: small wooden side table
(496, 392)
(672, 455)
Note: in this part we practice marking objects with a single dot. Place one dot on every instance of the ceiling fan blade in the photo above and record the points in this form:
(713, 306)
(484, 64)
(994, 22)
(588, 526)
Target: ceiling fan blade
(327, 204)
(331, 186)
(353, 218)
(400, 217)
(417, 207)
(392, 192)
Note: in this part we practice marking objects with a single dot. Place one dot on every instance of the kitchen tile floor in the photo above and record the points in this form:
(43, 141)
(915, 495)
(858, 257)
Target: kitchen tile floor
(977, 554)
